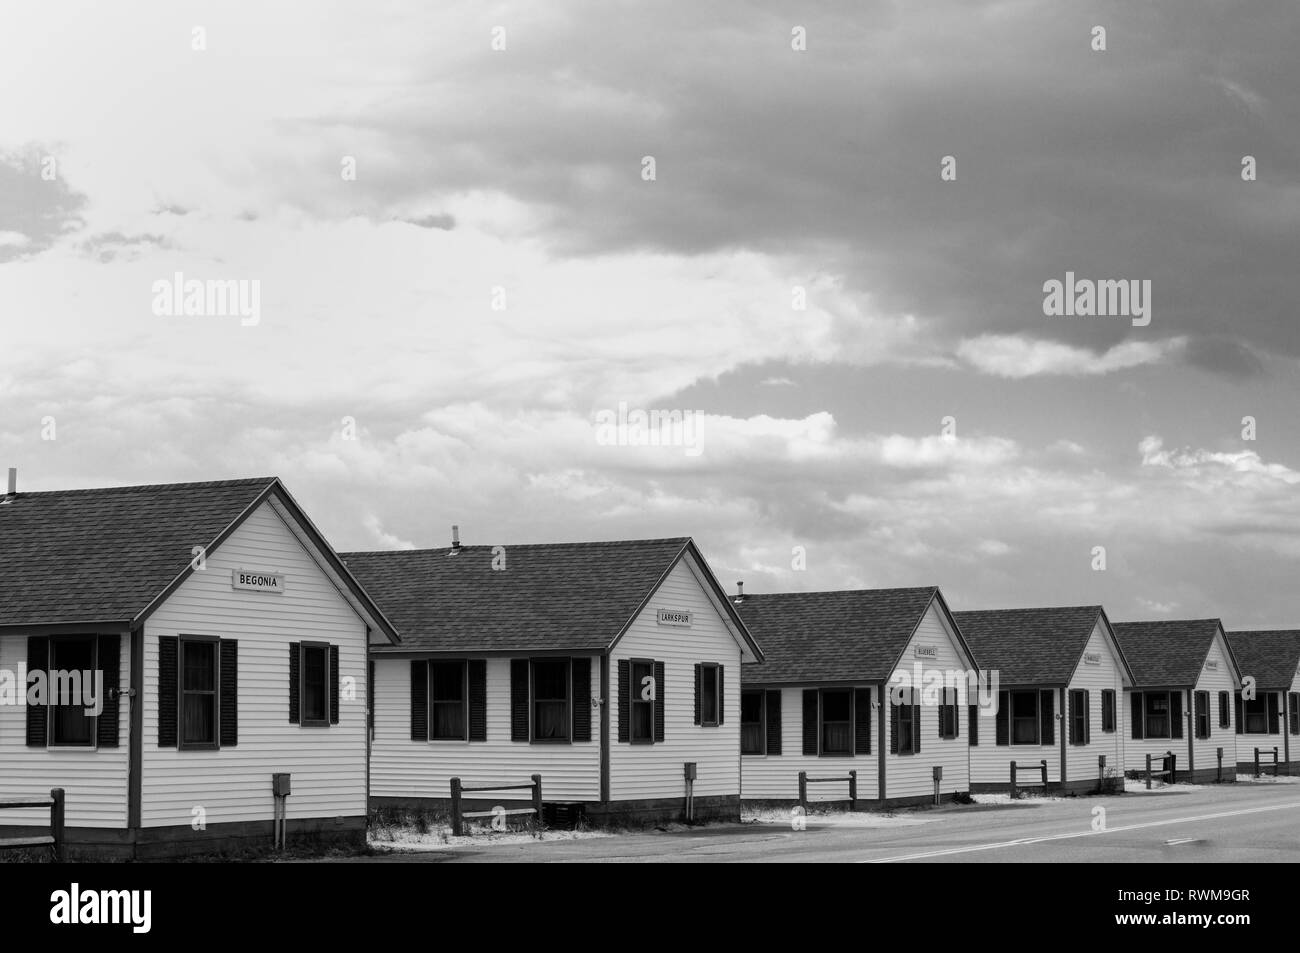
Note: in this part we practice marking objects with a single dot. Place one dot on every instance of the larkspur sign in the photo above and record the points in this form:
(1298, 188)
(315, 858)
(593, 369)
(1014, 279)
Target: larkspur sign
(679, 617)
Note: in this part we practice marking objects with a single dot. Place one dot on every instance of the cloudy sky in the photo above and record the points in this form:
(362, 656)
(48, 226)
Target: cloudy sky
(458, 245)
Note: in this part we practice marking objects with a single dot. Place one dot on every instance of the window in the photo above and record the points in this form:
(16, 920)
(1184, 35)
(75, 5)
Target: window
(72, 662)
(1108, 709)
(1078, 716)
(1024, 718)
(908, 727)
(1254, 717)
(753, 723)
(948, 722)
(973, 725)
(447, 697)
(315, 683)
(709, 678)
(1293, 712)
(837, 722)
(1225, 719)
(1157, 714)
(551, 699)
(198, 694)
(1202, 708)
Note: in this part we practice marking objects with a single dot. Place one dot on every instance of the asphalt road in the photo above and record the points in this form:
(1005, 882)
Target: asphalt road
(1241, 822)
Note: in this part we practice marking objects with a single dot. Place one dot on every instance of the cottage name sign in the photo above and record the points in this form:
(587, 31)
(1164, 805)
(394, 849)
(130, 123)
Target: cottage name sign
(1211, 665)
(1091, 658)
(257, 580)
(679, 617)
(927, 651)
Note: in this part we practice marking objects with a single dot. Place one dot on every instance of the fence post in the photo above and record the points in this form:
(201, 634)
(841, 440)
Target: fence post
(1101, 771)
(1256, 762)
(56, 822)
(1275, 771)
(1173, 767)
(1218, 774)
(1148, 771)
(455, 807)
(853, 790)
(803, 791)
(1013, 780)
(537, 797)
(1044, 766)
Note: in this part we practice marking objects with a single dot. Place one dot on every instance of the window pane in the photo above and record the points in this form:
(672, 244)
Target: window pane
(1157, 704)
(200, 669)
(904, 729)
(71, 675)
(551, 679)
(708, 694)
(640, 672)
(836, 737)
(448, 681)
(835, 706)
(1024, 704)
(314, 662)
(198, 719)
(643, 714)
(751, 707)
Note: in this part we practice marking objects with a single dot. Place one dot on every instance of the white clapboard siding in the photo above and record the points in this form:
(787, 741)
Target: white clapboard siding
(94, 780)
(1081, 760)
(909, 776)
(776, 777)
(403, 768)
(640, 772)
(328, 765)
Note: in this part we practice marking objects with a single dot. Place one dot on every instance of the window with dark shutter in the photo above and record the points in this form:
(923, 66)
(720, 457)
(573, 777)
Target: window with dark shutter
(1047, 716)
(582, 699)
(836, 722)
(1225, 719)
(552, 716)
(199, 692)
(295, 678)
(643, 700)
(1107, 710)
(624, 700)
(448, 701)
(772, 712)
(38, 660)
(167, 697)
(1078, 714)
(314, 689)
(478, 700)
(810, 722)
(110, 651)
(661, 692)
(707, 679)
(519, 699)
(334, 678)
(228, 674)
(419, 700)
(752, 723)
(70, 673)
(862, 721)
(1201, 710)
(1003, 728)
(973, 725)
(1135, 715)
(1026, 718)
(949, 724)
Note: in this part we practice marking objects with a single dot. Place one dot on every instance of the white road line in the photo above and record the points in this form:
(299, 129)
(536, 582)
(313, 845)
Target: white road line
(1022, 841)
(1181, 840)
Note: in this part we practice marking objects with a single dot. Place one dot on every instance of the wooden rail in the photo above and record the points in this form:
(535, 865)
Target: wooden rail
(1266, 766)
(804, 781)
(1015, 786)
(1171, 760)
(458, 816)
(54, 839)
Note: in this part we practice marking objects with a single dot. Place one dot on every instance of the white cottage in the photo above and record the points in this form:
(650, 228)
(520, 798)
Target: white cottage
(1061, 677)
(821, 703)
(1181, 702)
(609, 668)
(1268, 716)
(222, 610)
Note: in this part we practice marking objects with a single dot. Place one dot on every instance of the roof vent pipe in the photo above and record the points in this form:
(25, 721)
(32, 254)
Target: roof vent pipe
(13, 483)
(740, 591)
(455, 540)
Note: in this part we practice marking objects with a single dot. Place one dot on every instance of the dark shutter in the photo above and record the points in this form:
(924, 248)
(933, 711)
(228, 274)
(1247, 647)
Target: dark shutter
(581, 699)
(862, 721)
(973, 725)
(167, 702)
(1175, 714)
(722, 697)
(1239, 718)
(1293, 711)
(1046, 718)
(810, 721)
(624, 700)
(1070, 729)
(1004, 719)
(699, 677)
(916, 723)
(370, 698)
(773, 711)
(1273, 726)
(956, 714)
(519, 699)
(1135, 715)
(110, 651)
(893, 718)
(334, 684)
(229, 693)
(419, 700)
(38, 660)
(478, 698)
(659, 701)
(295, 657)
(1087, 716)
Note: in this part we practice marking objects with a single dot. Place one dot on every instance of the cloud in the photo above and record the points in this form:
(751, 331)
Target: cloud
(434, 220)
(1015, 356)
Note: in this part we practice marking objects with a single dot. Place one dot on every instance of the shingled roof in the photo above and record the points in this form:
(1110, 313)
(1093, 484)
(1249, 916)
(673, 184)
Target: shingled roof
(1167, 653)
(102, 555)
(567, 597)
(1272, 656)
(1030, 646)
(844, 635)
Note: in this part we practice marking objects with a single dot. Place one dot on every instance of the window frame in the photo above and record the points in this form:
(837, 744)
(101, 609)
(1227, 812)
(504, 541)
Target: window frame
(464, 699)
(762, 722)
(1225, 709)
(1198, 715)
(949, 723)
(634, 699)
(1147, 698)
(909, 712)
(1261, 699)
(717, 702)
(181, 692)
(52, 707)
(1012, 718)
(534, 701)
(1078, 717)
(303, 720)
(1108, 711)
(822, 722)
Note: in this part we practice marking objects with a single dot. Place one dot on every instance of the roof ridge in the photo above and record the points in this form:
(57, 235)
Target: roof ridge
(146, 487)
(489, 546)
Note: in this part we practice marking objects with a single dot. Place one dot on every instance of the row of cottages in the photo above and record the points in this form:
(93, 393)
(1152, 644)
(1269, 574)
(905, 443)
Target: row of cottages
(232, 645)
(1268, 717)
(1061, 677)
(822, 701)
(1185, 676)
(611, 669)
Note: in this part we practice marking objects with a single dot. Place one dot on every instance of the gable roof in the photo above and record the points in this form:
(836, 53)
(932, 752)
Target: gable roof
(837, 636)
(111, 555)
(1169, 652)
(1272, 656)
(562, 597)
(1032, 646)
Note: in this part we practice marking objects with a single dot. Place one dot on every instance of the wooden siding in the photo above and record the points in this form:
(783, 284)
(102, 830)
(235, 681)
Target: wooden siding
(403, 768)
(1081, 761)
(95, 780)
(327, 764)
(655, 771)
